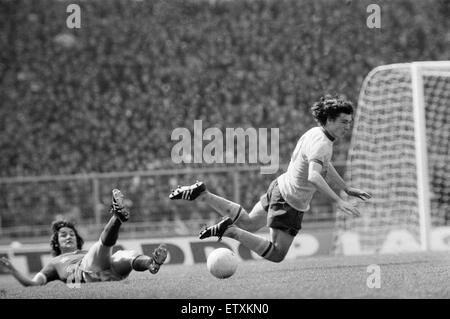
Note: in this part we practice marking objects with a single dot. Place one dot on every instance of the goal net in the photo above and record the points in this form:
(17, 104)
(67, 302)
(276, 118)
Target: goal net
(400, 154)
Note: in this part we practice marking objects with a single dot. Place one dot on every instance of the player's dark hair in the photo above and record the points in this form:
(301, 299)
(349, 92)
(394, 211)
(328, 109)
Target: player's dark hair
(330, 107)
(56, 226)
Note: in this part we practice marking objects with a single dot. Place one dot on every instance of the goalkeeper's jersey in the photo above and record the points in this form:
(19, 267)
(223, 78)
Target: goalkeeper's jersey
(316, 145)
(64, 266)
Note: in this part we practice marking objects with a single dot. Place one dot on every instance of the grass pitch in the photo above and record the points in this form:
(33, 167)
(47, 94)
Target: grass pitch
(418, 275)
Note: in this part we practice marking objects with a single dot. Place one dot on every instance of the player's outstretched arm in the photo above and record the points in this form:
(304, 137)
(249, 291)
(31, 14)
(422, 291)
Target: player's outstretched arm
(334, 176)
(351, 191)
(9, 267)
(315, 177)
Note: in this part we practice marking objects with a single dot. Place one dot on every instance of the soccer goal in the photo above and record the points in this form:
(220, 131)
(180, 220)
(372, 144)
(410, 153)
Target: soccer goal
(400, 153)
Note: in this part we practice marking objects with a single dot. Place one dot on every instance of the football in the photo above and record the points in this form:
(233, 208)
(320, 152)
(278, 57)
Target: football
(222, 263)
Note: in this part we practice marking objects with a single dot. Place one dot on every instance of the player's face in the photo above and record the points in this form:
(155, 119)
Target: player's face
(340, 126)
(67, 239)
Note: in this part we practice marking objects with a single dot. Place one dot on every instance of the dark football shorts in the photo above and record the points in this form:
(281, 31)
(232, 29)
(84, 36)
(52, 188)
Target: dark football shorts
(281, 215)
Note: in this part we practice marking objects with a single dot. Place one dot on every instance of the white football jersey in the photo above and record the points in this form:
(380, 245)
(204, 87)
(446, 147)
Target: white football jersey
(315, 145)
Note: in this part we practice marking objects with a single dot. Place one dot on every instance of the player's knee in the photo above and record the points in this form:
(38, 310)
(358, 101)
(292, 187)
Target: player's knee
(250, 224)
(275, 258)
(121, 261)
(247, 224)
(124, 256)
(276, 255)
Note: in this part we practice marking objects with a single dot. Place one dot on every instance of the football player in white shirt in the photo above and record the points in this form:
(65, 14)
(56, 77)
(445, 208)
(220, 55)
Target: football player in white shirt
(288, 196)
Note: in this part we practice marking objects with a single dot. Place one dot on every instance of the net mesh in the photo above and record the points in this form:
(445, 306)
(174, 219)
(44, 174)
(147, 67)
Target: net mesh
(382, 156)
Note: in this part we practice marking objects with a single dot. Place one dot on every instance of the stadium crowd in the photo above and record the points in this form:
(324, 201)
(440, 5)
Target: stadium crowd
(106, 97)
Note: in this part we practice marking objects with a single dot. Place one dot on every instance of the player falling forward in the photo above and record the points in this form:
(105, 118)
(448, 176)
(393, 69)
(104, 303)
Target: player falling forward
(289, 195)
(72, 265)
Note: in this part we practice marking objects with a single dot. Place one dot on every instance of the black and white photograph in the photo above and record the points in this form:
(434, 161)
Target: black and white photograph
(224, 154)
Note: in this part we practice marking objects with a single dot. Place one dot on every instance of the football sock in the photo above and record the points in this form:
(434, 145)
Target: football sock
(111, 232)
(223, 206)
(258, 244)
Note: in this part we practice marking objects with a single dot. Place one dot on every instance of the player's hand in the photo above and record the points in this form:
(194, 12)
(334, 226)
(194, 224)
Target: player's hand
(348, 208)
(358, 193)
(6, 265)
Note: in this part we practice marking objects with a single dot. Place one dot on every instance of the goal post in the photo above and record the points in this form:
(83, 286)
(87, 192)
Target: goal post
(399, 152)
(423, 190)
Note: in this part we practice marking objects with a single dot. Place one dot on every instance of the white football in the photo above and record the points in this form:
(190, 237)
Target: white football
(222, 263)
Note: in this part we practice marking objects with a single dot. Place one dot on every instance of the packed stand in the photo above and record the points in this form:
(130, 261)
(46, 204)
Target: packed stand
(106, 97)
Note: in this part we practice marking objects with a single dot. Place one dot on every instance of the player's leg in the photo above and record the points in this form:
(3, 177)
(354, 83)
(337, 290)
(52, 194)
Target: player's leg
(98, 256)
(284, 226)
(223, 206)
(260, 245)
(281, 242)
(273, 250)
(124, 261)
(253, 221)
(284, 222)
(257, 218)
(198, 191)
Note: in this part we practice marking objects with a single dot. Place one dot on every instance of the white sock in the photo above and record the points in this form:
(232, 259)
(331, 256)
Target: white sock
(223, 206)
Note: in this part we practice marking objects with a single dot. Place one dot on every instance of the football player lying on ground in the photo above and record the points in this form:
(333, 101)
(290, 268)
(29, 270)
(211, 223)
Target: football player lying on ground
(73, 265)
(289, 195)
